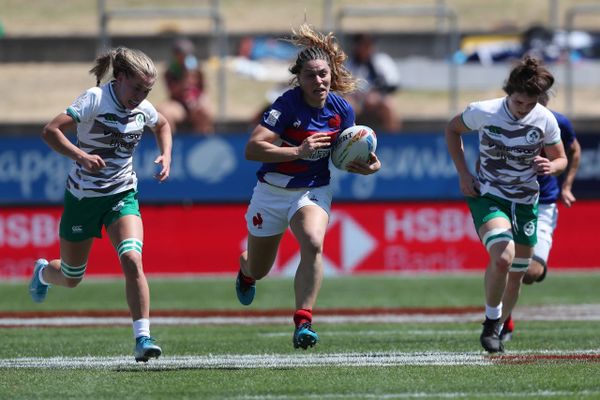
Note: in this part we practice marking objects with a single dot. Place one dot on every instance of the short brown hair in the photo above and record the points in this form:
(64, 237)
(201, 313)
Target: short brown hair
(529, 76)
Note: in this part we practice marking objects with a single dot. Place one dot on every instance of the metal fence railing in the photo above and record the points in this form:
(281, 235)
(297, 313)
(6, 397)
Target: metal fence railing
(439, 11)
(570, 15)
(218, 47)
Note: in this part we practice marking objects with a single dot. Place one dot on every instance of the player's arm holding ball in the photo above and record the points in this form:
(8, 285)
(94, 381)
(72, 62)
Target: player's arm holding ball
(261, 146)
(354, 150)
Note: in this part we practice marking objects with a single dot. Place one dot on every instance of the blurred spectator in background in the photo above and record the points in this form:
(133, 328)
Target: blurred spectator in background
(188, 103)
(544, 43)
(379, 79)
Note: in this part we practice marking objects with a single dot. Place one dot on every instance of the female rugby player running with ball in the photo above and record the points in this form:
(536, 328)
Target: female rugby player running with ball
(293, 141)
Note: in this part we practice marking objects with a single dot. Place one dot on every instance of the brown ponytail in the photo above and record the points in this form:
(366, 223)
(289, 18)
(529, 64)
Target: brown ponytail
(317, 46)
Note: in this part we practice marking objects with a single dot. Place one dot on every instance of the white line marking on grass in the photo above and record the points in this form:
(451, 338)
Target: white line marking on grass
(250, 361)
(423, 395)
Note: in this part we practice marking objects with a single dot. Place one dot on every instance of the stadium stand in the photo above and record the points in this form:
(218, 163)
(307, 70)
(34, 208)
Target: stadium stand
(418, 53)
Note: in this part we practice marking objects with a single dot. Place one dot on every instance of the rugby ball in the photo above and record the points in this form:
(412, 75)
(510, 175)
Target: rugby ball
(354, 143)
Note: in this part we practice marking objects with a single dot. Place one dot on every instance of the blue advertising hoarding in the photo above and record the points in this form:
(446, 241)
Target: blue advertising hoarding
(213, 169)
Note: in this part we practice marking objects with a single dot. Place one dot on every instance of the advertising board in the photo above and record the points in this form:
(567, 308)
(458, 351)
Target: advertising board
(362, 238)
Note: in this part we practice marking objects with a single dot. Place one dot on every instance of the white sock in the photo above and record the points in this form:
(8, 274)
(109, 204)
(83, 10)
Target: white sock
(493, 312)
(141, 327)
(41, 278)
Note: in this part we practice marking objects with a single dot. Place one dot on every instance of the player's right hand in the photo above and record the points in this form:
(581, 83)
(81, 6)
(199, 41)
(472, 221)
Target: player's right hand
(469, 185)
(92, 162)
(312, 143)
(365, 167)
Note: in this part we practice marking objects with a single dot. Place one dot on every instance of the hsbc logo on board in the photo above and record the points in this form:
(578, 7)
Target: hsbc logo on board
(347, 245)
(23, 230)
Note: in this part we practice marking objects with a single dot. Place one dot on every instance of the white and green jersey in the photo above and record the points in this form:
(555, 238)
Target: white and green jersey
(508, 145)
(107, 129)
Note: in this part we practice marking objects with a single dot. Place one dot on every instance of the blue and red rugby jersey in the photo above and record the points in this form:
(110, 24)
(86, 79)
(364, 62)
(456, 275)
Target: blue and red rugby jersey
(549, 184)
(294, 120)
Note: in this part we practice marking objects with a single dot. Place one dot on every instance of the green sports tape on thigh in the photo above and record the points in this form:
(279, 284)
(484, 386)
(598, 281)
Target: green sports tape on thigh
(520, 264)
(495, 236)
(72, 272)
(131, 244)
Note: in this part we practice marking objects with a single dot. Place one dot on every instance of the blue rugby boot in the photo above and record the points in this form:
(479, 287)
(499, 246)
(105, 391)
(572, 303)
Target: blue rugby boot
(37, 289)
(305, 337)
(146, 349)
(245, 291)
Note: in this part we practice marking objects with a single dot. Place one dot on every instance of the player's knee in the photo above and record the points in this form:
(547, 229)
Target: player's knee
(245, 266)
(258, 276)
(130, 256)
(132, 266)
(257, 272)
(312, 248)
(530, 276)
(131, 263)
(311, 245)
(258, 268)
(534, 272)
(500, 245)
(502, 262)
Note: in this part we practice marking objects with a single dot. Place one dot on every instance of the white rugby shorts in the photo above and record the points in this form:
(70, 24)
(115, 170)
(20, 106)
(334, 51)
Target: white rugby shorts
(546, 223)
(271, 208)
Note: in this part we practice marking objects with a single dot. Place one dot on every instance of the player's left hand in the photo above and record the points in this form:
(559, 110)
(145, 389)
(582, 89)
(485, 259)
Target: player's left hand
(542, 165)
(163, 164)
(567, 197)
(365, 168)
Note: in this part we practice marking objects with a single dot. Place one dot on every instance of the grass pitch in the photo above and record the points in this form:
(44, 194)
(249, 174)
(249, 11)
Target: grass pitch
(554, 353)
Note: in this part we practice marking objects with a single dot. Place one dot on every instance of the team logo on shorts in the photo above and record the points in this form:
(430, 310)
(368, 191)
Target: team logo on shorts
(529, 228)
(257, 221)
(532, 136)
(118, 206)
(76, 229)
